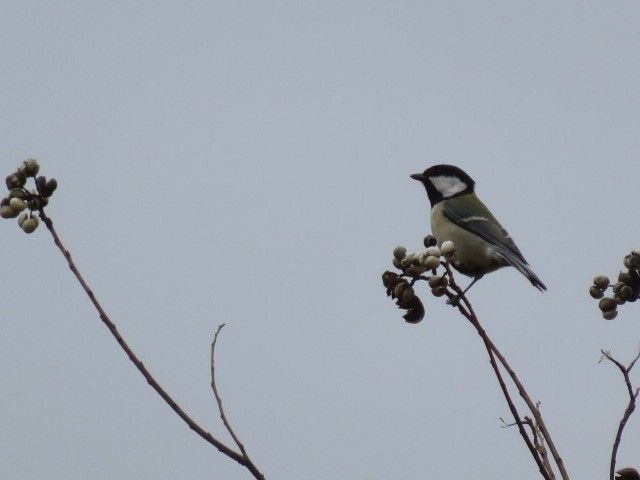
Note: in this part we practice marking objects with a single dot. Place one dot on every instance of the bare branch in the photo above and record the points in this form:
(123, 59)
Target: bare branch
(631, 406)
(219, 400)
(225, 450)
(533, 407)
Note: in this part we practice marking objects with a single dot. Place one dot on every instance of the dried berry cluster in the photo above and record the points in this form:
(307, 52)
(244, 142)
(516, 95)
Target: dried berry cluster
(21, 199)
(412, 268)
(626, 289)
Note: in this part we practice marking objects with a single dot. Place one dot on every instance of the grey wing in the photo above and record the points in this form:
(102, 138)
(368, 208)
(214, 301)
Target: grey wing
(488, 228)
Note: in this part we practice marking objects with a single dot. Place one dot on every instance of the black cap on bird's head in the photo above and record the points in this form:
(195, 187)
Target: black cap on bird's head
(444, 181)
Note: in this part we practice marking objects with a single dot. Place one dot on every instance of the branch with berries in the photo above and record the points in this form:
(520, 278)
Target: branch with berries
(626, 289)
(20, 198)
(415, 267)
(433, 266)
(18, 201)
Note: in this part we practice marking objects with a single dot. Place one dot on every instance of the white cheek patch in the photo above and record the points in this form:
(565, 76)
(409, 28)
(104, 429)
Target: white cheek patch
(448, 185)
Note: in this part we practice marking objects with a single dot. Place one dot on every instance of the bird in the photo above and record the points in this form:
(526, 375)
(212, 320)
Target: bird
(482, 244)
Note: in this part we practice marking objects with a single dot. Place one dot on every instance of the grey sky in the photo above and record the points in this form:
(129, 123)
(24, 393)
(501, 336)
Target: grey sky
(247, 163)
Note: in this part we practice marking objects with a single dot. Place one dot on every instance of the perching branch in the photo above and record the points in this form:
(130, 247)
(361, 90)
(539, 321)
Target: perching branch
(469, 314)
(533, 407)
(241, 458)
(419, 266)
(631, 406)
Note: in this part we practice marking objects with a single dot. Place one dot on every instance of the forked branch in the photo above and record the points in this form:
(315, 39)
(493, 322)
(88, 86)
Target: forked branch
(241, 457)
(223, 416)
(631, 406)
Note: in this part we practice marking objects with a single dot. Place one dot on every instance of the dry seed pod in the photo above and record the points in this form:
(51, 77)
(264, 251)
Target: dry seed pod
(601, 281)
(17, 193)
(438, 291)
(430, 262)
(618, 299)
(17, 204)
(399, 288)
(415, 270)
(30, 224)
(31, 167)
(434, 251)
(430, 241)
(407, 295)
(406, 261)
(399, 252)
(13, 181)
(447, 248)
(437, 281)
(607, 304)
(595, 292)
(389, 278)
(634, 261)
(41, 184)
(7, 212)
(415, 312)
(50, 187)
(626, 292)
(21, 218)
(625, 277)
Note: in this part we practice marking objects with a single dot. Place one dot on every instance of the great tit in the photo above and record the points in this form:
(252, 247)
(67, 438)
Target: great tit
(457, 214)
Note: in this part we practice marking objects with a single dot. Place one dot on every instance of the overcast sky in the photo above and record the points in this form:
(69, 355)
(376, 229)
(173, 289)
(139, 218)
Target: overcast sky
(248, 163)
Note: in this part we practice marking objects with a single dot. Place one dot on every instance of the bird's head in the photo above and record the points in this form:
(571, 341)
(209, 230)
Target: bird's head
(444, 181)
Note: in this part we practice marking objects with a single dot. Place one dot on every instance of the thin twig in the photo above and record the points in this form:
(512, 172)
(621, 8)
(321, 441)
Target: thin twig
(542, 448)
(219, 400)
(534, 411)
(538, 439)
(631, 406)
(140, 366)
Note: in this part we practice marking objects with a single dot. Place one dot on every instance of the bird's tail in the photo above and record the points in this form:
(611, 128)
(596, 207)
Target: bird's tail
(533, 278)
(523, 267)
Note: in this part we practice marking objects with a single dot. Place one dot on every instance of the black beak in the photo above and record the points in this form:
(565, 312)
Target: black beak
(418, 176)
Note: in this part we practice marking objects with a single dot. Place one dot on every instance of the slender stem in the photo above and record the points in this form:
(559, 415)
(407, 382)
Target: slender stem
(140, 366)
(541, 447)
(534, 411)
(534, 452)
(219, 401)
(538, 441)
